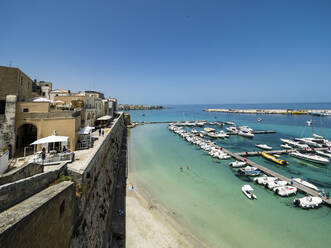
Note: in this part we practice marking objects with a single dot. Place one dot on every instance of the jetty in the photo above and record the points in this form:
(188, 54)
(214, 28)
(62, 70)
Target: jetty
(273, 111)
(300, 187)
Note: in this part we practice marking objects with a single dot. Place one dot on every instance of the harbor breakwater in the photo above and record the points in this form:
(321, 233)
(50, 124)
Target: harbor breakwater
(272, 111)
(72, 213)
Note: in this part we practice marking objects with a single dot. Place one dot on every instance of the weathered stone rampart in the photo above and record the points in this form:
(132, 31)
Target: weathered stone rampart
(24, 171)
(98, 180)
(43, 220)
(15, 192)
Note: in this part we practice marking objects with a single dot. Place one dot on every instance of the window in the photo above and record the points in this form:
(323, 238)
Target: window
(25, 110)
(43, 93)
(2, 107)
(21, 81)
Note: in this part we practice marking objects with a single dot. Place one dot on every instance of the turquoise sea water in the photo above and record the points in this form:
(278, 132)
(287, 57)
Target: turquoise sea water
(207, 197)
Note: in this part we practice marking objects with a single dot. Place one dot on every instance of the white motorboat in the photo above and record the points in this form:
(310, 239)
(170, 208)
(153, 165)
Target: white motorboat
(248, 191)
(310, 141)
(264, 146)
(310, 157)
(232, 129)
(209, 129)
(309, 122)
(317, 136)
(275, 184)
(285, 190)
(237, 164)
(308, 202)
(194, 131)
(230, 123)
(259, 119)
(245, 129)
(324, 154)
(222, 134)
(295, 144)
(264, 180)
(305, 183)
(286, 146)
(246, 134)
(250, 171)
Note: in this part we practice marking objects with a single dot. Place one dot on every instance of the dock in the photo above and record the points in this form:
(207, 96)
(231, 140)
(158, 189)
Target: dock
(300, 187)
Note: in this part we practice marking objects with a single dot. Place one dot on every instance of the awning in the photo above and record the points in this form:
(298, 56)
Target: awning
(85, 130)
(42, 99)
(104, 118)
(51, 139)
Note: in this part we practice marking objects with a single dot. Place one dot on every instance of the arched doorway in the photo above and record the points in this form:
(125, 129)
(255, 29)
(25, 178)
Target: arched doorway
(26, 134)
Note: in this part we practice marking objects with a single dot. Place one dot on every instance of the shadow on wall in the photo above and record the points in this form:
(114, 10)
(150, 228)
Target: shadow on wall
(119, 210)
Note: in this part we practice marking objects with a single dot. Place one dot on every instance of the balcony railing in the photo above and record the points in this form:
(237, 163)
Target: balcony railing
(53, 158)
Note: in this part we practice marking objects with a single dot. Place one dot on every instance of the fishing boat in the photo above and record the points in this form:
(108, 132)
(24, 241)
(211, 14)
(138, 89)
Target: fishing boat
(305, 183)
(237, 164)
(310, 157)
(248, 191)
(263, 146)
(274, 159)
(286, 146)
(285, 190)
(246, 134)
(308, 202)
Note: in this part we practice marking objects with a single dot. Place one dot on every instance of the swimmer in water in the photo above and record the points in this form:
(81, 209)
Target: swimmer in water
(187, 167)
(181, 169)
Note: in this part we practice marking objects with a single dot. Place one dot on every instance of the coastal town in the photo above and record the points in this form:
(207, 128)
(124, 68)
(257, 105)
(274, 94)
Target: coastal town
(53, 143)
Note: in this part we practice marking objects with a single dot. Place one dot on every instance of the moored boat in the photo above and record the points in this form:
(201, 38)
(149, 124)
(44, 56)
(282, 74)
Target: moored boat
(246, 134)
(248, 191)
(308, 202)
(305, 183)
(285, 190)
(263, 146)
(310, 157)
(274, 159)
(237, 164)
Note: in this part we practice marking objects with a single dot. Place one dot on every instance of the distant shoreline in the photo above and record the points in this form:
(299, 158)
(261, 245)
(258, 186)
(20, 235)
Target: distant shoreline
(140, 107)
(273, 111)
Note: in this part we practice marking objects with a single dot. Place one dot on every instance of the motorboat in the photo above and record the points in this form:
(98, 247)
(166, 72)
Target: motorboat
(246, 134)
(317, 136)
(222, 134)
(264, 180)
(194, 131)
(250, 171)
(310, 157)
(285, 190)
(232, 129)
(248, 191)
(230, 123)
(209, 129)
(308, 202)
(310, 141)
(275, 184)
(264, 146)
(305, 183)
(245, 128)
(324, 154)
(274, 159)
(286, 146)
(259, 119)
(295, 144)
(237, 164)
(309, 122)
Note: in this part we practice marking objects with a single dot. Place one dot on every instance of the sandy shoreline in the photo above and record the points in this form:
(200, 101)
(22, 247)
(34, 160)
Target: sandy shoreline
(150, 225)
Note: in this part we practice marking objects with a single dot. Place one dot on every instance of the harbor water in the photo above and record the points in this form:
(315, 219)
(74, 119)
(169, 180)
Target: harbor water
(206, 197)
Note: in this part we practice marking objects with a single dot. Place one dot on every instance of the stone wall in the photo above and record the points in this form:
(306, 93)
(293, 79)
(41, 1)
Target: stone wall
(15, 192)
(24, 171)
(8, 130)
(44, 220)
(98, 181)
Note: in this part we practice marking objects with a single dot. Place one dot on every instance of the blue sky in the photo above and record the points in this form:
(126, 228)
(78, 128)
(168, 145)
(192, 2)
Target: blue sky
(175, 51)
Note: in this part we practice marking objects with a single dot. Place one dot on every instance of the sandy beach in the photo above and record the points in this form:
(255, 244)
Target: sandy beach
(150, 225)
